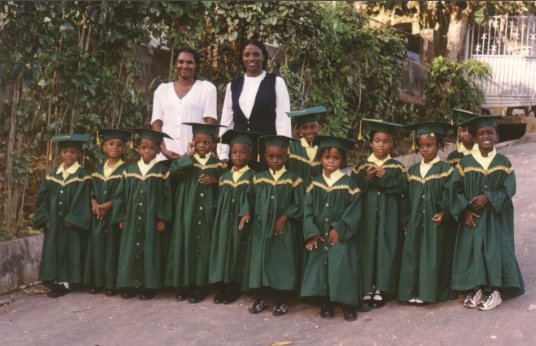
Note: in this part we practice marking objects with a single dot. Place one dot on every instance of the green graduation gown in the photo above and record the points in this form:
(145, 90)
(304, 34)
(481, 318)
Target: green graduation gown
(381, 236)
(228, 247)
(103, 245)
(485, 256)
(64, 200)
(195, 207)
(454, 157)
(273, 259)
(332, 270)
(299, 163)
(428, 247)
(142, 201)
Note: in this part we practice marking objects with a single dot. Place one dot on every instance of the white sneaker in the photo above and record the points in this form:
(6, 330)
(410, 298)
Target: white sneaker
(490, 301)
(473, 298)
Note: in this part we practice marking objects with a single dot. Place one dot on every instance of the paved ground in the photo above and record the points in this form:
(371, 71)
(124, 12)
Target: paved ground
(84, 319)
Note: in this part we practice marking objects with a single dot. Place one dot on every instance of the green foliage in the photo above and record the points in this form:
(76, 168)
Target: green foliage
(77, 66)
(454, 85)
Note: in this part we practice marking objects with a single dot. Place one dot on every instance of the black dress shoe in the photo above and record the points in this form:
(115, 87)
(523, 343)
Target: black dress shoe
(109, 292)
(182, 294)
(197, 297)
(280, 309)
(95, 290)
(219, 297)
(127, 294)
(57, 291)
(350, 313)
(147, 294)
(327, 311)
(231, 297)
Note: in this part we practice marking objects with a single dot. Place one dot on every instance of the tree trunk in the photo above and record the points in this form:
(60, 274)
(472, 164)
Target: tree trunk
(458, 24)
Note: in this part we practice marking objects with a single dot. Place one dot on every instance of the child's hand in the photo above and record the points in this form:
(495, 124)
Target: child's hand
(334, 236)
(122, 225)
(380, 172)
(405, 228)
(68, 224)
(168, 153)
(469, 218)
(190, 150)
(104, 209)
(479, 201)
(313, 242)
(207, 179)
(94, 207)
(160, 226)
(47, 225)
(243, 221)
(438, 218)
(280, 224)
(371, 171)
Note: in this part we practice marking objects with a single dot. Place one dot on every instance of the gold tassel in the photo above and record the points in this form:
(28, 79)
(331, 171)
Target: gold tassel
(132, 141)
(97, 139)
(221, 144)
(258, 151)
(50, 151)
(458, 138)
(413, 146)
(360, 135)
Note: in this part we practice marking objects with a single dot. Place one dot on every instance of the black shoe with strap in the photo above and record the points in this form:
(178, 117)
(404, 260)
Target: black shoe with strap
(327, 311)
(280, 309)
(349, 312)
(258, 305)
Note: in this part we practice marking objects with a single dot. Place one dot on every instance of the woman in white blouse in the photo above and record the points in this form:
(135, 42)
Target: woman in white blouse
(186, 99)
(257, 101)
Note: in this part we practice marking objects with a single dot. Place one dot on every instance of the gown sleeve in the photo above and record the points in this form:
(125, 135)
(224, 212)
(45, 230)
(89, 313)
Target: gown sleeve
(347, 225)
(42, 210)
(500, 197)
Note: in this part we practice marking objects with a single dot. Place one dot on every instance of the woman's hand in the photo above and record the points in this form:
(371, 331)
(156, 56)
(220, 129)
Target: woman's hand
(122, 225)
(190, 150)
(160, 226)
(171, 155)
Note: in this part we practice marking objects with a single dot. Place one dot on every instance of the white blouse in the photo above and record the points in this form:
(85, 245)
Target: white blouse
(246, 102)
(199, 103)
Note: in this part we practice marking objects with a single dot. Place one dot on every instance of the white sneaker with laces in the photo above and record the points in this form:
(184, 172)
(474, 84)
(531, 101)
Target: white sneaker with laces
(490, 301)
(473, 298)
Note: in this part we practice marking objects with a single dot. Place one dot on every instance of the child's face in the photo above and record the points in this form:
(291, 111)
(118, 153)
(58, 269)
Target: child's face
(331, 160)
(309, 130)
(203, 144)
(465, 137)
(69, 156)
(148, 150)
(276, 157)
(240, 154)
(486, 138)
(113, 148)
(428, 147)
(381, 144)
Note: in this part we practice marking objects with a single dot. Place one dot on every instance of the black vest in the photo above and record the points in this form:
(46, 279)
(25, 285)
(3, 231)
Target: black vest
(262, 119)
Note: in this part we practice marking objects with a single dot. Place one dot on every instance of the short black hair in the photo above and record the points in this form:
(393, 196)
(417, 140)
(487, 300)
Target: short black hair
(194, 53)
(440, 140)
(260, 45)
(344, 162)
(473, 130)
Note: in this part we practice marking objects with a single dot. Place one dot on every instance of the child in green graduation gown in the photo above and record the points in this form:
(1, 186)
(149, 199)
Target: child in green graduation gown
(143, 209)
(273, 255)
(230, 234)
(429, 243)
(383, 183)
(464, 143)
(481, 195)
(103, 247)
(332, 213)
(63, 210)
(197, 174)
(303, 158)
